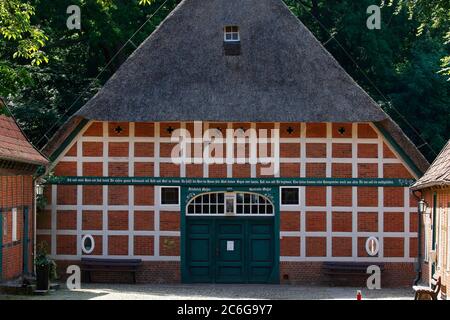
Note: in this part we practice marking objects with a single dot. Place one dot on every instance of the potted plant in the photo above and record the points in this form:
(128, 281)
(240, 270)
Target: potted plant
(45, 268)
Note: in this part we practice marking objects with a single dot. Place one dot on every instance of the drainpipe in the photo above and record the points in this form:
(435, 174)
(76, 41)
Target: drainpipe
(24, 236)
(34, 212)
(419, 239)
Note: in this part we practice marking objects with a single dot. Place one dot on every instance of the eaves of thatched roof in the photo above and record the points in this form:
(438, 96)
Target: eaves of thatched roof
(283, 74)
(181, 73)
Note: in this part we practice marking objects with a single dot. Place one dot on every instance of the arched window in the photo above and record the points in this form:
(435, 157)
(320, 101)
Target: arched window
(230, 203)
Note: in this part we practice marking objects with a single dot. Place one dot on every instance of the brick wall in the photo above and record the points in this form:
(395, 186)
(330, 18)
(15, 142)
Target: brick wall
(158, 272)
(15, 192)
(313, 273)
(440, 256)
(330, 223)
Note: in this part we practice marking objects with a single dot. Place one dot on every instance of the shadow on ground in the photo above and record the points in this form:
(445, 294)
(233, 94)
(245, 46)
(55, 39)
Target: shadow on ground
(215, 292)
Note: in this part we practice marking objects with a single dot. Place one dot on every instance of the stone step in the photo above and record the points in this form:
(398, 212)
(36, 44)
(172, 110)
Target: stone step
(55, 286)
(40, 292)
(15, 289)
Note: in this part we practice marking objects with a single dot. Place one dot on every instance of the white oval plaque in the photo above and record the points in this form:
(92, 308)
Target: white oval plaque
(372, 246)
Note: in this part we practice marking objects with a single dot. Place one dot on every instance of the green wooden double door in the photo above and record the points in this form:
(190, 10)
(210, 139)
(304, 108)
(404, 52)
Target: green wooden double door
(230, 250)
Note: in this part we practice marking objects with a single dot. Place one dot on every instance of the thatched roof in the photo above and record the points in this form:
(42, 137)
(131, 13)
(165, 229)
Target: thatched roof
(439, 172)
(284, 74)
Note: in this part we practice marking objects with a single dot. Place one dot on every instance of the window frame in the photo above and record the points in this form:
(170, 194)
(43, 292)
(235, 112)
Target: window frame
(433, 224)
(14, 225)
(5, 224)
(291, 204)
(440, 241)
(161, 196)
(448, 237)
(194, 203)
(83, 248)
(233, 196)
(426, 242)
(232, 33)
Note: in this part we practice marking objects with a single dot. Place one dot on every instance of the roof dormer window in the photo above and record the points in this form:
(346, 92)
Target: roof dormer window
(231, 33)
(231, 41)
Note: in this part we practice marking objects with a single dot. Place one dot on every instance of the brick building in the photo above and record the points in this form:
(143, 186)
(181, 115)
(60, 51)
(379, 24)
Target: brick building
(132, 177)
(18, 162)
(434, 188)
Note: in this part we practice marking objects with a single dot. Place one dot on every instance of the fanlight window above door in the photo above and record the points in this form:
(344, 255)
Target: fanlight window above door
(230, 203)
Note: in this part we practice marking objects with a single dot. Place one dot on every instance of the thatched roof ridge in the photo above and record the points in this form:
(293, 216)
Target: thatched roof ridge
(180, 72)
(284, 74)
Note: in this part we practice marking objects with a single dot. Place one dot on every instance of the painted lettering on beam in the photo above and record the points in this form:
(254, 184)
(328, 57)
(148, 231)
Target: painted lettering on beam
(261, 182)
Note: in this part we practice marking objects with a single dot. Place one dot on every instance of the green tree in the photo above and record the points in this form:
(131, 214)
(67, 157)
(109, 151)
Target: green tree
(21, 44)
(397, 68)
(80, 61)
(16, 26)
(432, 15)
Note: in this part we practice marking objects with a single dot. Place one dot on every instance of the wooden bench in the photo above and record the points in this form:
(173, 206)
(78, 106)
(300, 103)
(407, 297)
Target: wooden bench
(107, 265)
(348, 272)
(427, 293)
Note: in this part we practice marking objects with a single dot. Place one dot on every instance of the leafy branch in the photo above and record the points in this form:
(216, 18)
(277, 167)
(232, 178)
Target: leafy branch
(432, 14)
(145, 2)
(16, 27)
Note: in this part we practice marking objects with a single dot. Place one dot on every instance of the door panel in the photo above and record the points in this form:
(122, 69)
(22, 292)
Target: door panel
(258, 250)
(199, 250)
(261, 228)
(261, 251)
(230, 250)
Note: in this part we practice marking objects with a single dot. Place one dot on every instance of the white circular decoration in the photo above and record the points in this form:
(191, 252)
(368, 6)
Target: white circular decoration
(372, 246)
(87, 244)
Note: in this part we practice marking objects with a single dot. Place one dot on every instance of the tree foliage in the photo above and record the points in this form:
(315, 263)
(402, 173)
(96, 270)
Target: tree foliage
(16, 26)
(80, 61)
(398, 67)
(433, 15)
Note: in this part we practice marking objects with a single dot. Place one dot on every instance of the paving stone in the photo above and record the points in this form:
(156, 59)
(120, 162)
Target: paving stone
(216, 292)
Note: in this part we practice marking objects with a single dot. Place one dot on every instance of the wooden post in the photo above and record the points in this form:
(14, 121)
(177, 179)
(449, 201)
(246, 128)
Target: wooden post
(1, 244)
(26, 241)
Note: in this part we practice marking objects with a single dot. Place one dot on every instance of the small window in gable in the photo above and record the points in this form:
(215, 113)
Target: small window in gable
(231, 41)
(231, 33)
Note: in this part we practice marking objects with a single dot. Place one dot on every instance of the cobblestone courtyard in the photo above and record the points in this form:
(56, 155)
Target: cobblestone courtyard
(215, 292)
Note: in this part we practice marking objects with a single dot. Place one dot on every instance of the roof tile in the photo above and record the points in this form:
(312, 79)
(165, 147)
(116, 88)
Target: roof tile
(439, 172)
(14, 145)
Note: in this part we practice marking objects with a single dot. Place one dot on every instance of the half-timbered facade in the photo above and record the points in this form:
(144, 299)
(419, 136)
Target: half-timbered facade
(434, 189)
(133, 176)
(18, 164)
